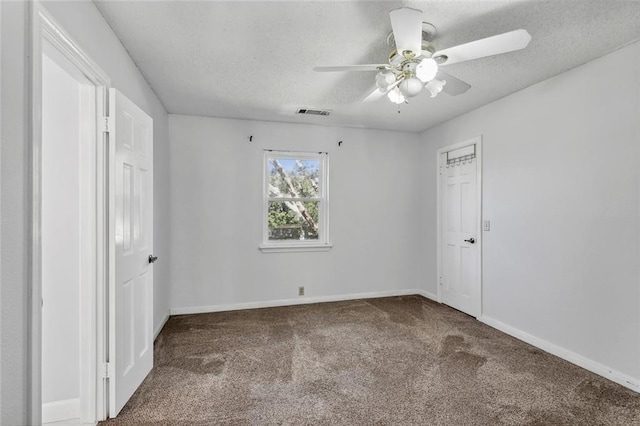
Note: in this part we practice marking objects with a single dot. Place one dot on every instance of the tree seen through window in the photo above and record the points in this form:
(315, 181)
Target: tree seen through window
(294, 198)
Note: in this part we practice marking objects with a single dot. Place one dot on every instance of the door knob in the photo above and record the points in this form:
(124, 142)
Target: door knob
(152, 258)
(470, 240)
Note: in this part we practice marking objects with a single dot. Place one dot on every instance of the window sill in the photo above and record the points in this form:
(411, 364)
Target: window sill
(287, 248)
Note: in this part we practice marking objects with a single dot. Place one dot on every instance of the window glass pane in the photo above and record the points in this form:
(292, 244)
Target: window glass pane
(293, 220)
(294, 178)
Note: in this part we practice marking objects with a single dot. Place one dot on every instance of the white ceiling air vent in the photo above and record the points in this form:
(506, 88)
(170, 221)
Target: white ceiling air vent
(308, 111)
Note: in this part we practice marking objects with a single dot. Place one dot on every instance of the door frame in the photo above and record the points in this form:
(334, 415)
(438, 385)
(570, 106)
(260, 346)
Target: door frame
(478, 142)
(94, 313)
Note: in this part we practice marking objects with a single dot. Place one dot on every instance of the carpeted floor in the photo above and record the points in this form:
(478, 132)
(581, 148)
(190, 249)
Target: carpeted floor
(391, 361)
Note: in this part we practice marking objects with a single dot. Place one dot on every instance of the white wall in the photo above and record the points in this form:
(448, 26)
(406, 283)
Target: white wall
(60, 234)
(85, 24)
(1, 276)
(13, 213)
(216, 224)
(561, 188)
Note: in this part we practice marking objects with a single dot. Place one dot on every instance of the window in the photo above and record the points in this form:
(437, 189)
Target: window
(296, 207)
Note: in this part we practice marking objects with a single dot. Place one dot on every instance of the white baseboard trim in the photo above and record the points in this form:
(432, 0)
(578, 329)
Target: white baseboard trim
(428, 295)
(57, 411)
(303, 300)
(567, 355)
(161, 325)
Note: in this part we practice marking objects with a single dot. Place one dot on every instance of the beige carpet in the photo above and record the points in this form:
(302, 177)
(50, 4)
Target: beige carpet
(391, 361)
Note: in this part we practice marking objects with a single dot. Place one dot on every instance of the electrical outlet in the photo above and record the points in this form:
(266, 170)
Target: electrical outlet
(300, 291)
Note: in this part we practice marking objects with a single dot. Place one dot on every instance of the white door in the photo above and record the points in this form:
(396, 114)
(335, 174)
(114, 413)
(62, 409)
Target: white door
(460, 229)
(131, 292)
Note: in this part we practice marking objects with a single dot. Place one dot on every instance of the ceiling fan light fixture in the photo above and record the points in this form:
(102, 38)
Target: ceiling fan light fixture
(435, 86)
(427, 69)
(410, 87)
(384, 80)
(395, 96)
(414, 62)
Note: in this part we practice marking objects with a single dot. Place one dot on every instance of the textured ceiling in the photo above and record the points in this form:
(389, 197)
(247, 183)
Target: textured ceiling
(254, 60)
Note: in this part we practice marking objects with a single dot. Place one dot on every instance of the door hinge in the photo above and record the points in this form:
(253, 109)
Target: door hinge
(105, 370)
(107, 125)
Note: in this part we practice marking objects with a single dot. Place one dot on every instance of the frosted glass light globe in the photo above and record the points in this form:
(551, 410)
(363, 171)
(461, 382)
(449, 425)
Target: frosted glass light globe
(427, 70)
(385, 79)
(411, 86)
(395, 96)
(435, 86)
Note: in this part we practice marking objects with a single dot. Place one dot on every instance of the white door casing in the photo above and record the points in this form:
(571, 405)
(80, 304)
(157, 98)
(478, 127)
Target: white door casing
(131, 289)
(459, 222)
(47, 34)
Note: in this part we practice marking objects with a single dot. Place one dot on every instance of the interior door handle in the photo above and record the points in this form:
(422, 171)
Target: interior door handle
(152, 258)
(470, 240)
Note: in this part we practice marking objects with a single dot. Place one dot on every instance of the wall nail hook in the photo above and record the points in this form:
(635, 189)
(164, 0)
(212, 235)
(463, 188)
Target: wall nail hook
(339, 143)
(251, 138)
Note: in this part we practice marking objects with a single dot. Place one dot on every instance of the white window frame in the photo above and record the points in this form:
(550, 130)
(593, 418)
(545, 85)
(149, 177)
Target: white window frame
(322, 243)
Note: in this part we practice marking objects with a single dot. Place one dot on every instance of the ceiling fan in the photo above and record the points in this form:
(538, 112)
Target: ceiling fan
(415, 64)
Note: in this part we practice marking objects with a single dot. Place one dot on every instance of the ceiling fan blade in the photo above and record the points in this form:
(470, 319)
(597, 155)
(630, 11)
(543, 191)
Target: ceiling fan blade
(454, 86)
(407, 29)
(501, 43)
(376, 93)
(364, 67)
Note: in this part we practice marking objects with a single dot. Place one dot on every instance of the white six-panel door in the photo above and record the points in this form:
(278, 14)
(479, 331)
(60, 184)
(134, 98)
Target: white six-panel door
(460, 235)
(131, 292)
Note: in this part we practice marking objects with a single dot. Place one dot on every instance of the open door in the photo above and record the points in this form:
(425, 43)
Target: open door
(131, 287)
